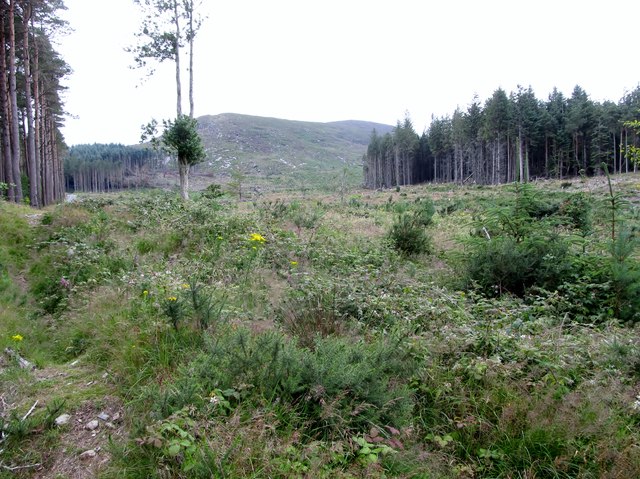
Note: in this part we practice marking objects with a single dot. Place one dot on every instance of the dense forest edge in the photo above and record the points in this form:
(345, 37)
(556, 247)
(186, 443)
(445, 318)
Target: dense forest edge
(514, 137)
(31, 106)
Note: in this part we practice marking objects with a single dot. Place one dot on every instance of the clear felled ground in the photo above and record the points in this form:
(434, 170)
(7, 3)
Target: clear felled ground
(434, 331)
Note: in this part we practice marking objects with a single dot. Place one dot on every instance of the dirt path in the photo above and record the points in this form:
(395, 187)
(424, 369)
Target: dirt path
(76, 446)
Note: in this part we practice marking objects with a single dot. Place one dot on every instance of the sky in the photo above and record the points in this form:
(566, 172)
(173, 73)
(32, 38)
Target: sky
(334, 60)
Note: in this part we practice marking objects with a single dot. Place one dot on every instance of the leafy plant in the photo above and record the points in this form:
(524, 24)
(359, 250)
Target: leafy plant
(368, 453)
(174, 439)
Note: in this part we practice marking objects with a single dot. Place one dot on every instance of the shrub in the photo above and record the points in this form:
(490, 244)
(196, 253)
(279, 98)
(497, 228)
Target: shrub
(408, 235)
(625, 277)
(577, 212)
(424, 210)
(213, 191)
(339, 387)
(310, 316)
(504, 264)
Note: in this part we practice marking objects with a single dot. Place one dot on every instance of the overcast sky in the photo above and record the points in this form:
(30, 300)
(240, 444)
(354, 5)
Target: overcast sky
(334, 60)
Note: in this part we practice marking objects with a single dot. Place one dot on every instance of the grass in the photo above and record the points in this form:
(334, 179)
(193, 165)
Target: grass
(300, 343)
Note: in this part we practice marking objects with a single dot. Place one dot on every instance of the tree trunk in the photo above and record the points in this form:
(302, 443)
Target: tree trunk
(614, 152)
(191, 39)
(176, 19)
(626, 146)
(13, 100)
(183, 169)
(4, 100)
(34, 174)
(37, 117)
(546, 156)
(526, 163)
(520, 158)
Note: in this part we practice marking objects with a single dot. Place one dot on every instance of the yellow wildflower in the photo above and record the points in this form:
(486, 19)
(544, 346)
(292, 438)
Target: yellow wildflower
(17, 338)
(172, 298)
(185, 286)
(294, 263)
(145, 293)
(257, 237)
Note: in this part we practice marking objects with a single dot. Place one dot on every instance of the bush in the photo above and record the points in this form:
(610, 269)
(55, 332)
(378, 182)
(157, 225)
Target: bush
(310, 316)
(577, 212)
(408, 235)
(625, 277)
(339, 387)
(213, 191)
(504, 264)
(424, 210)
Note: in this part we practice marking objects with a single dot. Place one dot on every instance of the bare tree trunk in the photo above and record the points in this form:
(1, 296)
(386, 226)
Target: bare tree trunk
(626, 145)
(520, 159)
(34, 174)
(396, 161)
(508, 159)
(526, 163)
(546, 156)
(37, 117)
(614, 152)
(176, 18)
(13, 100)
(183, 169)
(191, 40)
(4, 99)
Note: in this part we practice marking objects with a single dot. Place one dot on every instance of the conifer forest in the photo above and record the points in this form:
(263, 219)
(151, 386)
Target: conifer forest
(30, 97)
(514, 137)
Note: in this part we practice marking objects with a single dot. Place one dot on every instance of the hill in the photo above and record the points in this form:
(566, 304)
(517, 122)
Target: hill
(283, 151)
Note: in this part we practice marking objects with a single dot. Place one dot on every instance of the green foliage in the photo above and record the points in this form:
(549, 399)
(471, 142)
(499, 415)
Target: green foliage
(323, 350)
(338, 386)
(105, 167)
(578, 211)
(174, 440)
(181, 138)
(519, 248)
(213, 191)
(369, 453)
(625, 277)
(504, 264)
(172, 308)
(16, 428)
(408, 235)
(206, 309)
(424, 209)
(311, 315)
(632, 151)
(303, 216)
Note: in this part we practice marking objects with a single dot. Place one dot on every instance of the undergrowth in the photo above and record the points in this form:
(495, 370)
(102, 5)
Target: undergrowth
(431, 332)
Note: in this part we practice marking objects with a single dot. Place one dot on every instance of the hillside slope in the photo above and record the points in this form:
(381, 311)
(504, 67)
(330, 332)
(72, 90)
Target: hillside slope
(284, 150)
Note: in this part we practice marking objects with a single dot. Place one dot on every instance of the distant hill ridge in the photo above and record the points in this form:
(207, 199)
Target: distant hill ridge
(273, 147)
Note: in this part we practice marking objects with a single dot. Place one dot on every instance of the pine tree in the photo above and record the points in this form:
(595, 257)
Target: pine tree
(161, 38)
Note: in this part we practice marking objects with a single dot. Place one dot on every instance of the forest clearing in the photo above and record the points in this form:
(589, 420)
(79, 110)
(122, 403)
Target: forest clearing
(432, 331)
(219, 296)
